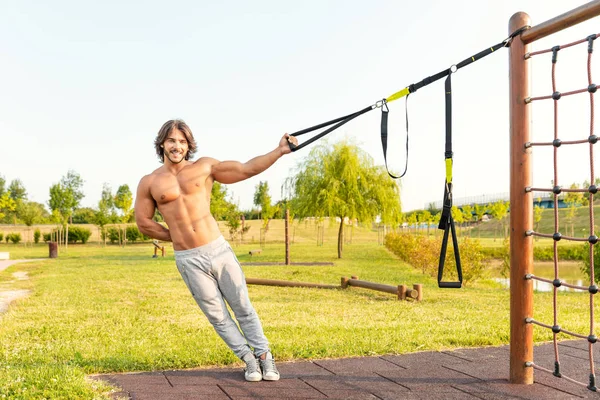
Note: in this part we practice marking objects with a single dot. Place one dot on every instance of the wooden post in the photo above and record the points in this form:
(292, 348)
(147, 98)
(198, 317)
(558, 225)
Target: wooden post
(344, 282)
(401, 292)
(287, 236)
(521, 207)
(419, 288)
(411, 293)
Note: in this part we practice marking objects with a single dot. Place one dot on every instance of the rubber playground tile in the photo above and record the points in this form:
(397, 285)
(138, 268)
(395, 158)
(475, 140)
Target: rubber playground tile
(434, 357)
(149, 395)
(507, 390)
(487, 370)
(372, 385)
(346, 365)
(349, 394)
(301, 369)
(482, 353)
(257, 391)
(204, 377)
(429, 377)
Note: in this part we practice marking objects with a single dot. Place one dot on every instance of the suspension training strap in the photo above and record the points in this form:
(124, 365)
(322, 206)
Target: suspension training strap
(416, 86)
(446, 220)
(338, 122)
(402, 93)
(384, 135)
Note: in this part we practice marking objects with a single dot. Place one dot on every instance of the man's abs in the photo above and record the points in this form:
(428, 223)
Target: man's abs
(190, 233)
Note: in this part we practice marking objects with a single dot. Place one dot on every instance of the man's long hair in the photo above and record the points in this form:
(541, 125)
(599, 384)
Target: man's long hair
(164, 132)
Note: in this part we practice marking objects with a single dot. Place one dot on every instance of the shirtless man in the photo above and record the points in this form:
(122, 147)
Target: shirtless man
(181, 189)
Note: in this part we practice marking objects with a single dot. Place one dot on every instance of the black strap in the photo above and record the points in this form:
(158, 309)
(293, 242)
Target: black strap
(384, 135)
(430, 79)
(446, 220)
(338, 122)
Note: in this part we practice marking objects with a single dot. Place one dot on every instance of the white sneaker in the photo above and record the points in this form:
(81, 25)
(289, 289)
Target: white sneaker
(252, 370)
(269, 370)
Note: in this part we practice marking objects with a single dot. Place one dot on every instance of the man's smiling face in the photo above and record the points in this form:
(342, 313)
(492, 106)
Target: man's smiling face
(175, 146)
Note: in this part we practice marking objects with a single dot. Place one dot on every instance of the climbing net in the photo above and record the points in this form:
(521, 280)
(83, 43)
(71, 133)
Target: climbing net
(556, 190)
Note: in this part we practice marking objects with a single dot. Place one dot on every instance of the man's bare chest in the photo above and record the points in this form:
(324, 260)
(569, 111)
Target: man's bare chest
(168, 188)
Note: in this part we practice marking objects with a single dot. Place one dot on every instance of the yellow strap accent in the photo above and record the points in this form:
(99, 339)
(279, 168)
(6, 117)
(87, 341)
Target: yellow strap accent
(398, 95)
(448, 170)
(473, 58)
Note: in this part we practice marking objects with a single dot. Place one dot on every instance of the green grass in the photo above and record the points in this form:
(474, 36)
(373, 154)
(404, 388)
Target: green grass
(113, 309)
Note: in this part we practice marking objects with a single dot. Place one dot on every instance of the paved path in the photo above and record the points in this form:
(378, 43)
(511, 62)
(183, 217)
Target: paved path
(462, 374)
(7, 263)
(8, 296)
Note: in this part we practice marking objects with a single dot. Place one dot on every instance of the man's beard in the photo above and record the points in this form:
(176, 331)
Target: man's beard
(173, 162)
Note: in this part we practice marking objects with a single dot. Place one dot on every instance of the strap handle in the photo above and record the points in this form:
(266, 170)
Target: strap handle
(338, 122)
(447, 224)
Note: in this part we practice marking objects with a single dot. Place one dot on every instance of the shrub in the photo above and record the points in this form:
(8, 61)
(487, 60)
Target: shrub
(47, 237)
(132, 233)
(423, 252)
(585, 268)
(1, 236)
(78, 234)
(7, 238)
(113, 235)
(36, 236)
(13, 237)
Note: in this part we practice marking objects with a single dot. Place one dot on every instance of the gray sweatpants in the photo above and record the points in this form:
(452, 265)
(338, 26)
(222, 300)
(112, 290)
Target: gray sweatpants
(214, 276)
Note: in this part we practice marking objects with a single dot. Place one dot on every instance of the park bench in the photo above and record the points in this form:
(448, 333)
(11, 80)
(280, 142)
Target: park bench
(4, 255)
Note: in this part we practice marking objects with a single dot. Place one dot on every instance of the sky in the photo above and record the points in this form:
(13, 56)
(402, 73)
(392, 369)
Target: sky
(85, 86)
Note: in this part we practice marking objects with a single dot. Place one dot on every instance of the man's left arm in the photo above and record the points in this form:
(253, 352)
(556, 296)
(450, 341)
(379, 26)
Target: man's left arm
(234, 171)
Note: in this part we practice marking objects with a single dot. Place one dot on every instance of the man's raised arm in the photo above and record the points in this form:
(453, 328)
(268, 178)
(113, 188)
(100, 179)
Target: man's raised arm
(144, 211)
(234, 171)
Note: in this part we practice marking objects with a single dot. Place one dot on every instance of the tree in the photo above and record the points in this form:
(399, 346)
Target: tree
(342, 181)
(467, 211)
(65, 196)
(499, 210)
(17, 190)
(29, 213)
(537, 217)
(479, 211)
(123, 201)
(103, 214)
(457, 215)
(2, 185)
(425, 217)
(573, 199)
(262, 199)
(84, 215)
(220, 207)
(412, 219)
(7, 204)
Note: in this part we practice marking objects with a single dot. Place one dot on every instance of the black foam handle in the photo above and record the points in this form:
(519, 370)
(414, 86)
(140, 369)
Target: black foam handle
(451, 285)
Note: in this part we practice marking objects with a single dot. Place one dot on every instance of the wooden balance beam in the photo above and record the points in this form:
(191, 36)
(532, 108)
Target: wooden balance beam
(272, 282)
(402, 291)
(157, 247)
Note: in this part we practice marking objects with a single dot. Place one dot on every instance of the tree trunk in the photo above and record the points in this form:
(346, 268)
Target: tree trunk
(341, 238)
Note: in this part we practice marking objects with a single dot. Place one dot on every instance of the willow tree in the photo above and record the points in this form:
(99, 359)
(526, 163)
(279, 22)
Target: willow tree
(342, 181)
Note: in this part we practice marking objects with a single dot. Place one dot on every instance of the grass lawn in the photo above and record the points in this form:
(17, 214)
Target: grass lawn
(98, 310)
